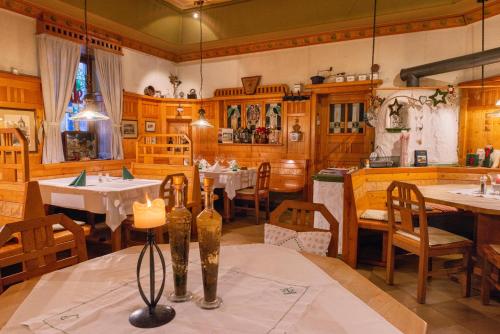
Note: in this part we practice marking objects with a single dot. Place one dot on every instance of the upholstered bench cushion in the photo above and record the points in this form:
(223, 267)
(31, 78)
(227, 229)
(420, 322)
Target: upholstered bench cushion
(436, 236)
(309, 242)
(59, 227)
(380, 215)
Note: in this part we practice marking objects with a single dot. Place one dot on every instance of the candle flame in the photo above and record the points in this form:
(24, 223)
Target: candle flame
(148, 201)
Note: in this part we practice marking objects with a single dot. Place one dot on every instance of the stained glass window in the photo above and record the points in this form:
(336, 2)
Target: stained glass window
(76, 101)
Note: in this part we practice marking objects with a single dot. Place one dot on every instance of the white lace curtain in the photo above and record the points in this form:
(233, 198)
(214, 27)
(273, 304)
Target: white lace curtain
(109, 73)
(58, 59)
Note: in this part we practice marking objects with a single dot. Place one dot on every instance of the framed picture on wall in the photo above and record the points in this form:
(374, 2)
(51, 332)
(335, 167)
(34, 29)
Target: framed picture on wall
(420, 158)
(24, 120)
(273, 116)
(234, 116)
(253, 115)
(129, 129)
(150, 126)
(226, 135)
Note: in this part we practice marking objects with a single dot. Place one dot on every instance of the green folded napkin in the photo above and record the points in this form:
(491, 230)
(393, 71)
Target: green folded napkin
(80, 180)
(126, 175)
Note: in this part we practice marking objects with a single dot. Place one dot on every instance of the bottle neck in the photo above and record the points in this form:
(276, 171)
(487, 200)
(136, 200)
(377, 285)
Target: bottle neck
(178, 197)
(209, 198)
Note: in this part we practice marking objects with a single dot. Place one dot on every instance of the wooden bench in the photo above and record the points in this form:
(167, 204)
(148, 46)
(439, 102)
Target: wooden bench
(287, 176)
(366, 189)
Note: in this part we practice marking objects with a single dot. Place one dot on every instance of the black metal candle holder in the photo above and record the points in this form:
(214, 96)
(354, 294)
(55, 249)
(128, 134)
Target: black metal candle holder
(153, 315)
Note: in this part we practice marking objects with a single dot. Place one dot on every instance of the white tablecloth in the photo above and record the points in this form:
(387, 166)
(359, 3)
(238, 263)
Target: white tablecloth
(113, 198)
(475, 192)
(231, 181)
(265, 289)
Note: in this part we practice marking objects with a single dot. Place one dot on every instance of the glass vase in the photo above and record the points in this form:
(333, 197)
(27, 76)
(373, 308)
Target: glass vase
(179, 233)
(209, 224)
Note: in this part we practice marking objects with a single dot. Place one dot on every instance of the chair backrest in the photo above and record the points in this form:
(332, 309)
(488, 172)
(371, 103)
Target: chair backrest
(14, 160)
(406, 201)
(302, 220)
(40, 253)
(160, 171)
(263, 177)
(19, 201)
(167, 190)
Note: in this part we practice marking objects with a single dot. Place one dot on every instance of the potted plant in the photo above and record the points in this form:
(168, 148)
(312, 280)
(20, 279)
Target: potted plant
(261, 135)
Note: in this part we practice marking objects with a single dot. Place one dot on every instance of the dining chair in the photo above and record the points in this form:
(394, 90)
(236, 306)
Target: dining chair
(405, 200)
(40, 252)
(298, 216)
(166, 192)
(256, 194)
(491, 271)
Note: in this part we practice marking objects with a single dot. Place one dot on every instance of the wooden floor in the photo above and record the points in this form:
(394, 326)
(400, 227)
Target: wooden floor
(445, 312)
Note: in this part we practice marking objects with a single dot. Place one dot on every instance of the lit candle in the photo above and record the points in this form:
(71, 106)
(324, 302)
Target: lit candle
(150, 214)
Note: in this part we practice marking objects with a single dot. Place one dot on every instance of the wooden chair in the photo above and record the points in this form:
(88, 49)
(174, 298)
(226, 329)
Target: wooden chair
(167, 194)
(40, 252)
(491, 271)
(426, 242)
(302, 220)
(258, 193)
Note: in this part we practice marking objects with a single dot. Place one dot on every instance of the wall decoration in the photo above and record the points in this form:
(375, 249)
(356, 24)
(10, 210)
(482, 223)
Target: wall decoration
(253, 115)
(250, 84)
(149, 91)
(234, 116)
(129, 129)
(226, 135)
(296, 134)
(192, 94)
(150, 126)
(273, 115)
(79, 145)
(438, 97)
(174, 80)
(24, 120)
(420, 158)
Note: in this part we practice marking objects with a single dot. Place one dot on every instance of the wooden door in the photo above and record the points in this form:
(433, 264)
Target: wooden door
(346, 139)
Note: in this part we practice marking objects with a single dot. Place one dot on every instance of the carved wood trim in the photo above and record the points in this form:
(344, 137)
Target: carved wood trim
(443, 22)
(264, 89)
(44, 26)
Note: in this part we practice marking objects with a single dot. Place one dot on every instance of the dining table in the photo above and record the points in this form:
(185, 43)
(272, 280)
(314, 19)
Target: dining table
(230, 181)
(485, 207)
(264, 289)
(112, 196)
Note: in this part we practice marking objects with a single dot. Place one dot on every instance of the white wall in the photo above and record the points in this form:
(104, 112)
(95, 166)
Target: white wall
(392, 53)
(18, 49)
(17, 43)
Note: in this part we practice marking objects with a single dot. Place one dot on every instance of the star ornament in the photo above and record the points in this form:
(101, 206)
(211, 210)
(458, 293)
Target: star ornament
(438, 97)
(395, 108)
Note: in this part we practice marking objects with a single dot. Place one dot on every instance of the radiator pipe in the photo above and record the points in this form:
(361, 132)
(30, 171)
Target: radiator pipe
(412, 75)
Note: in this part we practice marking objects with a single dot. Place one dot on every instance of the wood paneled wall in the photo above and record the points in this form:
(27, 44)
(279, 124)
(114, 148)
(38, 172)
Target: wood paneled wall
(476, 130)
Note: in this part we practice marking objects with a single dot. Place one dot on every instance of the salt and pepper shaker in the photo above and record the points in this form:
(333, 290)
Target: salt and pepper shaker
(482, 184)
(99, 176)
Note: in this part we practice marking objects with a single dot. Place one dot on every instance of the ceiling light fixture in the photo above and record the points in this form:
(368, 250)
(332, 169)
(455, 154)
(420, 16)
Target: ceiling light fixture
(202, 122)
(92, 110)
(196, 15)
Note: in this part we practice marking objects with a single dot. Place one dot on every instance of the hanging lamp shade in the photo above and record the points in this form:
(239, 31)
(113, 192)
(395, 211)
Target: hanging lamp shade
(92, 110)
(92, 101)
(202, 122)
(498, 103)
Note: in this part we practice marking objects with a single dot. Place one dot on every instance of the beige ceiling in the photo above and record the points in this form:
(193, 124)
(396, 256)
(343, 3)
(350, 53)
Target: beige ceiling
(169, 24)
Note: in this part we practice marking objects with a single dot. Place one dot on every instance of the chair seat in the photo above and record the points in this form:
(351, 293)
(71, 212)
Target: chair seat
(378, 215)
(437, 237)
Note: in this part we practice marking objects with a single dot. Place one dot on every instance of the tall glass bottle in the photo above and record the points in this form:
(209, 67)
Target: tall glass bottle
(209, 224)
(179, 232)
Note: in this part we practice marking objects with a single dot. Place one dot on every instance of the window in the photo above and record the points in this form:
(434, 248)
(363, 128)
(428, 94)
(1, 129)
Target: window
(346, 118)
(84, 140)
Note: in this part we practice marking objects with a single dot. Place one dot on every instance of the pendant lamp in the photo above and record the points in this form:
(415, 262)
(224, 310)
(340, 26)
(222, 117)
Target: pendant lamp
(201, 122)
(92, 101)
